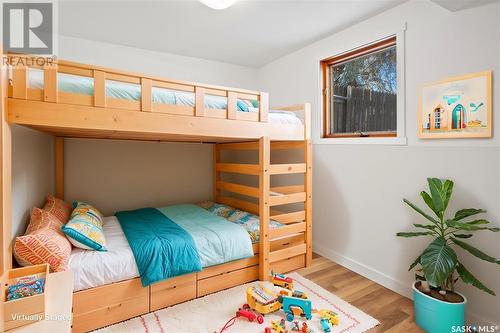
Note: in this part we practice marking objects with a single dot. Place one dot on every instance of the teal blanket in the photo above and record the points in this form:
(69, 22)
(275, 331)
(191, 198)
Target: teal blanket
(181, 239)
(217, 240)
(161, 248)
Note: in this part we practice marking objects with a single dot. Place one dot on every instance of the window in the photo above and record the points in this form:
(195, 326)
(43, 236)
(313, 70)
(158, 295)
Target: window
(360, 92)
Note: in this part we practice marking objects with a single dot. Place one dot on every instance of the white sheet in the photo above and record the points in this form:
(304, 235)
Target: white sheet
(283, 117)
(94, 268)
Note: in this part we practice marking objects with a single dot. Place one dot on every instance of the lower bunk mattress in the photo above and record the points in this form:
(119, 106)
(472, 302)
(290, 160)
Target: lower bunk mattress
(216, 242)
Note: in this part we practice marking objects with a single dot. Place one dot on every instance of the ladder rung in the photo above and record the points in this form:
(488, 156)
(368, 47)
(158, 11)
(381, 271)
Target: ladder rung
(247, 169)
(240, 204)
(290, 217)
(288, 189)
(279, 145)
(287, 199)
(238, 146)
(280, 169)
(287, 230)
(287, 252)
(237, 188)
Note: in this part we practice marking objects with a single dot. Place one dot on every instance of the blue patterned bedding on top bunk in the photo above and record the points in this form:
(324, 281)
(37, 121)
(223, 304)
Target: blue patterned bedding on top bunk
(129, 91)
(248, 221)
(181, 239)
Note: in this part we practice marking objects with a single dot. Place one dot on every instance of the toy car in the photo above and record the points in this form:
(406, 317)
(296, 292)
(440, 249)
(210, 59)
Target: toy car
(278, 327)
(293, 306)
(325, 325)
(249, 315)
(330, 316)
(282, 281)
(299, 294)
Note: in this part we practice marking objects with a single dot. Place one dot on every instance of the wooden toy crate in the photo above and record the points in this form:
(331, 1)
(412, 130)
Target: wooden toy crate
(27, 309)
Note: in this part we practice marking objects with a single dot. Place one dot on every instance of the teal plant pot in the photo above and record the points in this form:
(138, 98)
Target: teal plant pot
(435, 316)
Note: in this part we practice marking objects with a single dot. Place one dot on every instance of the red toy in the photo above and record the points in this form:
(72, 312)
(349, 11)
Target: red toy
(243, 312)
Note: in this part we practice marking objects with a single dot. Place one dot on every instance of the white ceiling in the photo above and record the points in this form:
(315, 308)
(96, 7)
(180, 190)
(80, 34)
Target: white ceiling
(251, 33)
(456, 5)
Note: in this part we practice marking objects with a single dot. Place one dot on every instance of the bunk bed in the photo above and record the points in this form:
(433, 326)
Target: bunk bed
(68, 99)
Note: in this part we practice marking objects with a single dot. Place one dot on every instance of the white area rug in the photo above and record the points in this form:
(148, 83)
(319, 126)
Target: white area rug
(210, 313)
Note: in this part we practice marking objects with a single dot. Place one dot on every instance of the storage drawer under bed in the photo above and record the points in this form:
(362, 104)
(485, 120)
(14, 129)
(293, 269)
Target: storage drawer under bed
(109, 304)
(215, 278)
(172, 291)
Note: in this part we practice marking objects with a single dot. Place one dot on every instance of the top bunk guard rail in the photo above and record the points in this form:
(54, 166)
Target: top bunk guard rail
(74, 113)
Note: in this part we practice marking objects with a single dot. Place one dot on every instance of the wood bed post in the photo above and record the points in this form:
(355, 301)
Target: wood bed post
(264, 106)
(6, 172)
(264, 188)
(308, 202)
(216, 153)
(59, 167)
(307, 121)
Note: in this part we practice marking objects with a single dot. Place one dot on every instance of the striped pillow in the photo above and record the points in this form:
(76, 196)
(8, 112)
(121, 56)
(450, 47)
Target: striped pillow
(57, 207)
(43, 243)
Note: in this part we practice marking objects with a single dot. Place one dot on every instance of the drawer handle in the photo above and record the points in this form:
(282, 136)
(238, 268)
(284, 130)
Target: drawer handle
(114, 306)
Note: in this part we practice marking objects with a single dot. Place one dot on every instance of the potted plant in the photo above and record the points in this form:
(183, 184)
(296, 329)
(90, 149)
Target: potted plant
(438, 307)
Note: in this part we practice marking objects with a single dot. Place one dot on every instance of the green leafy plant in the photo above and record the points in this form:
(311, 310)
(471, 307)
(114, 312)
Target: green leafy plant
(439, 260)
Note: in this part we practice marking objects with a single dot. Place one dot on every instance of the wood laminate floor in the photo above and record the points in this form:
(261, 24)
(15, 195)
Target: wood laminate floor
(395, 312)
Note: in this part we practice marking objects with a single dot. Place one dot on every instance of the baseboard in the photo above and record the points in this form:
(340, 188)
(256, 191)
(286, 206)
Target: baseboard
(475, 320)
(385, 280)
(366, 271)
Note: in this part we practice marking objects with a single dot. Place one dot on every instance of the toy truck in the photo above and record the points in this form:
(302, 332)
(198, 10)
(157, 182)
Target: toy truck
(283, 281)
(294, 306)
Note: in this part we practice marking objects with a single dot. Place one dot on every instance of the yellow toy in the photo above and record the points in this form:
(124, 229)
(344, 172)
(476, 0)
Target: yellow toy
(262, 299)
(278, 327)
(331, 316)
(281, 280)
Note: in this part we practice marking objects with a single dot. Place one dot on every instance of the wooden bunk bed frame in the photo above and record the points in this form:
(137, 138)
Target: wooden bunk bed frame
(97, 116)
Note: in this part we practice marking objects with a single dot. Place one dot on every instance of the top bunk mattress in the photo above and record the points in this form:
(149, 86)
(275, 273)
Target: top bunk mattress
(128, 91)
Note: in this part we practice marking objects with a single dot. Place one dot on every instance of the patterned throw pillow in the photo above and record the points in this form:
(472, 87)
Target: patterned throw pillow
(82, 208)
(206, 204)
(251, 223)
(221, 210)
(43, 243)
(42, 219)
(84, 228)
(58, 208)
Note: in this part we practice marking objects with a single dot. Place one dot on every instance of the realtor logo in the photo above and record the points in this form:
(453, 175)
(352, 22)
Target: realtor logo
(27, 28)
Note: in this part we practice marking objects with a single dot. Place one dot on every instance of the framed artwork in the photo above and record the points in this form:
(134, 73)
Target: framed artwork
(457, 107)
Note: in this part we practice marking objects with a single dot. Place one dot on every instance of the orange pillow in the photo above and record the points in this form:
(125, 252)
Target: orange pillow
(44, 243)
(59, 208)
(42, 219)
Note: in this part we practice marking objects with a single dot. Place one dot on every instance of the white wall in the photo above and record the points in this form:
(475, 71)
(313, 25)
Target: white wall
(155, 63)
(358, 188)
(32, 173)
(120, 175)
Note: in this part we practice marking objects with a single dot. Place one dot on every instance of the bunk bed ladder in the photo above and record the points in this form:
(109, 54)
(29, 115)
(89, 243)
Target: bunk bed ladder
(291, 245)
(288, 247)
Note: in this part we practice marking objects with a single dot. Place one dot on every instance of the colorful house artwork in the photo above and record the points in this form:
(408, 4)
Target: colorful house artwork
(458, 107)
